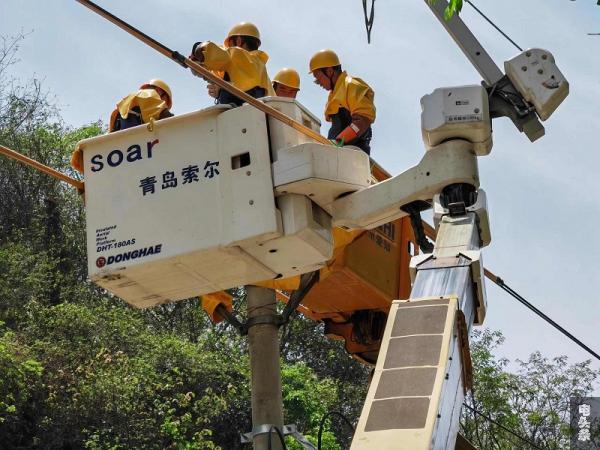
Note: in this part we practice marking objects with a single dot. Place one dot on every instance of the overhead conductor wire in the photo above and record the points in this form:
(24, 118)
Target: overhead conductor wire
(500, 282)
(494, 25)
(489, 419)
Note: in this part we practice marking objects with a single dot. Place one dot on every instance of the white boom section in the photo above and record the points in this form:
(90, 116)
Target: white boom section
(456, 127)
(423, 369)
(460, 112)
(449, 163)
(416, 394)
(467, 42)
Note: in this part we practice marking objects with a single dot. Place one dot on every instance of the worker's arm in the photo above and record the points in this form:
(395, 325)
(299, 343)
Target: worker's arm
(77, 159)
(362, 109)
(357, 128)
(210, 55)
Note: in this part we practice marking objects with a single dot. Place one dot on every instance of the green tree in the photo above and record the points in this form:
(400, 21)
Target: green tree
(533, 402)
(19, 386)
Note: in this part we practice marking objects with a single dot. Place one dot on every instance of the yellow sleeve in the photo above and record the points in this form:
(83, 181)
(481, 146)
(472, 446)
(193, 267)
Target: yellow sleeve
(77, 159)
(210, 302)
(112, 120)
(360, 100)
(215, 57)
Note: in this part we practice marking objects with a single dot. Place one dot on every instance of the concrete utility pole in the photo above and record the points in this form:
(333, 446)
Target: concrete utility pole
(263, 339)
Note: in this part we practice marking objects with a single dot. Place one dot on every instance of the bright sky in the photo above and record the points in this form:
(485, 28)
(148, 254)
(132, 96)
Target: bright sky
(543, 197)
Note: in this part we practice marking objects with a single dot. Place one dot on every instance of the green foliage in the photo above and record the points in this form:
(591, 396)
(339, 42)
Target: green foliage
(19, 371)
(454, 7)
(118, 383)
(306, 399)
(20, 388)
(110, 380)
(533, 402)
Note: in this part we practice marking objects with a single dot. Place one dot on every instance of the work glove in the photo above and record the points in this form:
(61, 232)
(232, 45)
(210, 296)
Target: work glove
(348, 134)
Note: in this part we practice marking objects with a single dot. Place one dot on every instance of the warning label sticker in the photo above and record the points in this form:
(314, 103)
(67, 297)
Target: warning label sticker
(464, 118)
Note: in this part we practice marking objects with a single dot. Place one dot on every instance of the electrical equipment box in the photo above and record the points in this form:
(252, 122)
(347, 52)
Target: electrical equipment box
(185, 207)
(460, 112)
(536, 76)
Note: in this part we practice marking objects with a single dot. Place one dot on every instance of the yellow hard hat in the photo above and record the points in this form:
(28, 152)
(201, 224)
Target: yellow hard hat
(161, 84)
(243, 29)
(288, 77)
(324, 58)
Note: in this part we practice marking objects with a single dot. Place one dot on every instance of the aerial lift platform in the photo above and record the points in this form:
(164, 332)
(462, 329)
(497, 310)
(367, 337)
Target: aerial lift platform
(222, 197)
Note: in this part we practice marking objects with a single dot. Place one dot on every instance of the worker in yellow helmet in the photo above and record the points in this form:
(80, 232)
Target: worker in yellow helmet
(152, 101)
(239, 62)
(286, 83)
(350, 107)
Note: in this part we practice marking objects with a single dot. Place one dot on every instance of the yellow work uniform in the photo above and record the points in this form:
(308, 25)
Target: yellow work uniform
(136, 108)
(350, 96)
(145, 103)
(246, 70)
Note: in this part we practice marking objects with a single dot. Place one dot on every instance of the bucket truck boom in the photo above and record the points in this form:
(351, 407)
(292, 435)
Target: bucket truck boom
(424, 370)
(222, 197)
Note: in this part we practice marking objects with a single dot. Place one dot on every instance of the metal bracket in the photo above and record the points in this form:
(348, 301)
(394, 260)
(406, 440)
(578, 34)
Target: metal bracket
(307, 281)
(247, 438)
(468, 43)
(288, 430)
(292, 430)
(266, 319)
(506, 101)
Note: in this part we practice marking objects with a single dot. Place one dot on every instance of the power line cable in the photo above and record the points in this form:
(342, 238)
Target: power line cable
(508, 430)
(500, 282)
(494, 25)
